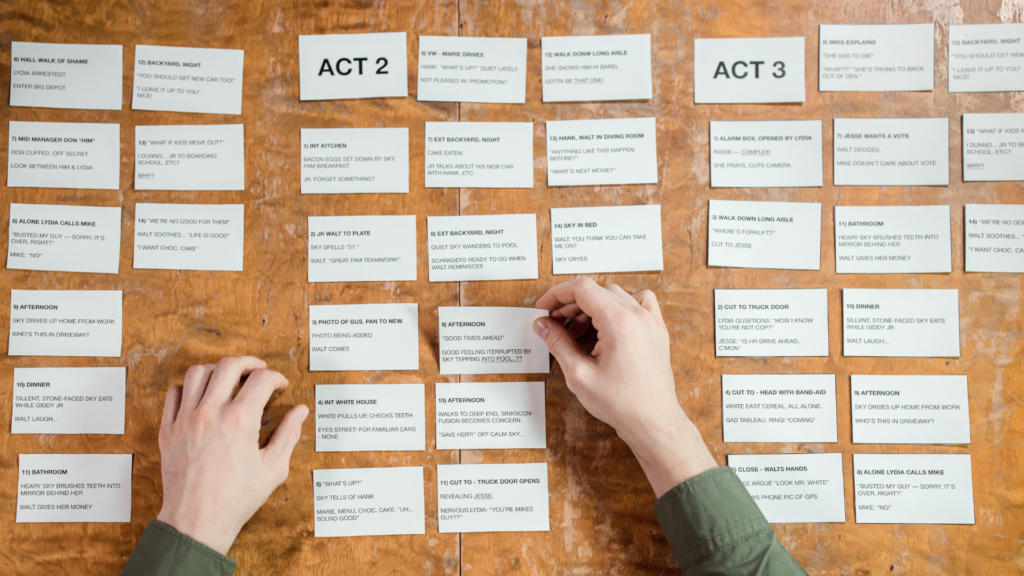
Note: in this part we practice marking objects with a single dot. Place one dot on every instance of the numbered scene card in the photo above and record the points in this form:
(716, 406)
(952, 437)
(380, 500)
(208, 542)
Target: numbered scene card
(492, 498)
(598, 152)
(74, 488)
(362, 248)
(794, 487)
(65, 323)
(490, 247)
(64, 155)
(345, 66)
(779, 408)
(993, 147)
(355, 160)
(364, 337)
(463, 69)
(606, 239)
(986, 57)
(82, 76)
(901, 323)
(190, 157)
(766, 154)
(893, 240)
(748, 70)
(490, 415)
(64, 238)
(774, 235)
(177, 79)
(491, 340)
(68, 401)
(910, 409)
(479, 155)
(876, 57)
(891, 151)
(596, 68)
(994, 238)
(913, 488)
(189, 236)
(771, 323)
(370, 417)
(368, 502)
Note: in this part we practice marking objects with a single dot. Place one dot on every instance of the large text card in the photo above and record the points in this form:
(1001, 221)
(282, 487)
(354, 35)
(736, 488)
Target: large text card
(913, 488)
(463, 69)
(491, 340)
(876, 57)
(64, 155)
(65, 323)
(64, 238)
(893, 240)
(74, 488)
(344, 66)
(792, 488)
(986, 57)
(68, 401)
(994, 238)
(364, 337)
(748, 70)
(771, 323)
(355, 160)
(190, 157)
(891, 151)
(596, 68)
(774, 235)
(368, 501)
(177, 79)
(598, 152)
(492, 498)
(82, 76)
(779, 408)
(189, 236)
(910, 409)
(993, 148)
(766, 154)
(362, 248)
(486, 415)
(606, 239)
(479, 155)
(489, 247)
(368, 417)
(901, 323)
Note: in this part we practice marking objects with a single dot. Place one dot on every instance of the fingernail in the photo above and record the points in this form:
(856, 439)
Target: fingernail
(540, 326)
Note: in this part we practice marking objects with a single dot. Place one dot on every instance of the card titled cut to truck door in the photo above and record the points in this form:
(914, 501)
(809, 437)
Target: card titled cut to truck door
(80, 76)
(177, 79)
(492, 498)
(491, 340)
(891, 151)
(993, 148)
(369, 417)
(479, 155)
(994, 237)
(362, 248)
(771, 323)
(606, 239)
(345, 66)
(68, 401)
(64, 238)
(901, 323)
(893, 240)
(596, 68)
(190, 157)
(490, 415)
(774, 235)
(364, 337)
(766, 154)
(189, 236)
(65, 323)
(910, 409)
(986, 57)
(355, 160)
(368, 501)
(779, 408)
(74, 488)
(913, 488)
(463, 69)
(790, 488)
(748, 70)
(492, 247)
(876, 57)
(64, 155)
(598, 152)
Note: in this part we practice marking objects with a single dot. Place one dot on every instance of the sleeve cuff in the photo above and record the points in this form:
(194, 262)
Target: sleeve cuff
(164, 551)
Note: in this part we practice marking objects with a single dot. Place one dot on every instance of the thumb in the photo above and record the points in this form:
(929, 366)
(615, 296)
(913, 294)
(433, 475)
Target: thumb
(278, 452)
(561, 344)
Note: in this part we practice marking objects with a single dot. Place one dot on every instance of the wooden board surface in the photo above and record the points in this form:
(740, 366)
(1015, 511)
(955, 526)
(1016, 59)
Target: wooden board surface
(601, 516)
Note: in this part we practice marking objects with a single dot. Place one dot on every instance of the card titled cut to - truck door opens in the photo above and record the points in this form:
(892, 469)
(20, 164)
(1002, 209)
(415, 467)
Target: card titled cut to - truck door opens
(463, 69)
(791, 488)
(489, 415)
(891, 151)
(369, 417)
(362, 248)
(606, 239)
(189, 236)
(491, 340)
(345, 66)
(748, 70)
(492, 498)
(876, 57)
(368, 501)
(766, 154)
(596, 68)
(81, 76)
(910, 409)
(190, 157)
(774, 235)
(993, 147)
(489, 247)
(994, 237)
(64, 238)
(893, 240)
(901, 323)
(65, 323)
(771, 323)
(913, 488)
(74, 488)
(68, 401)
(779, 408)
(64, 155)
(479, 155)
(598, 152)
(179, 79)
(986, 57)
(355, 160)
(364, 337)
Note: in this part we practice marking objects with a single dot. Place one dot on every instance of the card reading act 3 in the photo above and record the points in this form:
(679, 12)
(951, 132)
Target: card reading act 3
(748, 70)
(345, 66)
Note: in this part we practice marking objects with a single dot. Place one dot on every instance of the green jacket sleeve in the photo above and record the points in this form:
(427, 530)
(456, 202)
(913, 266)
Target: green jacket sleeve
(163, 551)
(715, 529)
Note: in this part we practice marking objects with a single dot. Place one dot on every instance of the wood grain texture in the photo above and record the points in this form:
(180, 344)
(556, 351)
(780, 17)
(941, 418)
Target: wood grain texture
(601, 517)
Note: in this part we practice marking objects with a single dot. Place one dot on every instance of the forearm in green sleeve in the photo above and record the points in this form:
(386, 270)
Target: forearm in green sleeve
(163, 551)
(715, 529)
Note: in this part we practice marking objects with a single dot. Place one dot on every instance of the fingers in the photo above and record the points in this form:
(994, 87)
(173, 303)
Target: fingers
(278, 452)
(648, 301)
(579, 326)
(227, 376)
(561, 344)
(258, 389)
(196, 380)
(171, 404)
(593, 300)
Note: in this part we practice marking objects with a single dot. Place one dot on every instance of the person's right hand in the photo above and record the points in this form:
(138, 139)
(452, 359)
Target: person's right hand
(627, 380)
